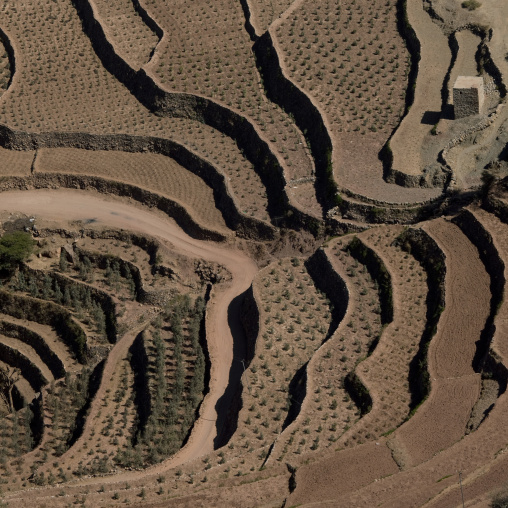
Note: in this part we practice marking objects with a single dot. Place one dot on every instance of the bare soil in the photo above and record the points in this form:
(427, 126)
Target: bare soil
(77, 206)
(435, 60)
(347, 471)
(386, 372)
(467, 303)
(150, 171)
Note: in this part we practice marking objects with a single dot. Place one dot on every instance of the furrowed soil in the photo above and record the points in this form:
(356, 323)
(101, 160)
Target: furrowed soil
(268, 265)
(150, 171)
(455, 387)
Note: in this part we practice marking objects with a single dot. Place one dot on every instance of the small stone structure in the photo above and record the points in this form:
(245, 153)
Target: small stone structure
(468, 96)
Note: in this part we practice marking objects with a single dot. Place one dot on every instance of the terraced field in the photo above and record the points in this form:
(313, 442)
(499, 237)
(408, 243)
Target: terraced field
(248, 256)
(151, 171)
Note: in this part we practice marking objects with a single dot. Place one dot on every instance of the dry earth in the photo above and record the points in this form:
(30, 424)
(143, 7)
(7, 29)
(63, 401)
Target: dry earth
(254, 123)
(79, 206)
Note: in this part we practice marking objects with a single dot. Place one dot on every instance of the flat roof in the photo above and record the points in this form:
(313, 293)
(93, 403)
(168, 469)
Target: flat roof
(468, 82)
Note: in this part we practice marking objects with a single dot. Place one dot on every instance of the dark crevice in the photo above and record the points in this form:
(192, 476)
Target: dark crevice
(147, 19)
(378, 272)
(307, 117)
(297, 392)
(328, 281)
(485, 360)
(10, 55)
(206, 378)
(248, 24)
(229, 405)
(426, 251)
(453, 44)
(331, 284)
(413, 46)
(142, 401)
(358, 392)
(93, 385)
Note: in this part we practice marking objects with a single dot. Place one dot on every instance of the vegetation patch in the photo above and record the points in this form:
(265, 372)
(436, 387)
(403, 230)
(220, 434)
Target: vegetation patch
(169, 366)
(15, 248)
(471, 5)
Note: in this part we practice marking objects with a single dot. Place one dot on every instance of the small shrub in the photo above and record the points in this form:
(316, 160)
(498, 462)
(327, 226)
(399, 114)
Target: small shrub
(500, 501)
(471, 5)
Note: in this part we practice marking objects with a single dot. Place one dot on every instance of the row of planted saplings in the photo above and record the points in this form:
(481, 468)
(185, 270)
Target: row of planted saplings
(55, 299)
(170, 370)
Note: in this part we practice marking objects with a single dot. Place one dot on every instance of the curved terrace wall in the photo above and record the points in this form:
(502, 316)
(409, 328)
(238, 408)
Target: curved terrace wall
(379, 273)
(148, 19)
(29, 371)
(482, 239)
(47, 313)
(246, 226)
(327, 280)
(101, 261)
(38, 344)
(425, 250)
(103, 299)
(281, 90)
(194, 107)
(336, 289)
(6, 41)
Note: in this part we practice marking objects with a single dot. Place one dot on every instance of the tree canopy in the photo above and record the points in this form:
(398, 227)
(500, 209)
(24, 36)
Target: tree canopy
(15, 248)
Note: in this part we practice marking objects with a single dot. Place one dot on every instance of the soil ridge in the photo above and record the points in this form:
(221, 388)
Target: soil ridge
(199, 108)
(18, 140)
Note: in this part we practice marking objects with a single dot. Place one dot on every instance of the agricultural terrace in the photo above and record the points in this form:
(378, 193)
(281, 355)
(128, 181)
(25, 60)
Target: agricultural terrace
(129, 429)
(55, 61)
(151, 171)
(350, 58)
(75, 285)
(455, 385)
(264, 12)
(15, 163)
(386, 373)
(86, 98)
(133, 38)
(328, 409)
(195, 56)
(295, 319)
(205, 313)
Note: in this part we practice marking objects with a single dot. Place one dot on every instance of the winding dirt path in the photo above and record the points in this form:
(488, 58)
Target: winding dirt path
(111, 212)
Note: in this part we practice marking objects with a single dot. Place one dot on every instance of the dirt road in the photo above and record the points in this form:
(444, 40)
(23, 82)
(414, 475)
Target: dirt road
(72, 205)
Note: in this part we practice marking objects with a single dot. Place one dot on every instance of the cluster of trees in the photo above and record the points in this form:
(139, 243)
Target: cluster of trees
(71, 295)
(65, 401)
(15, 248)
(114, 271)
(174, 382)
(16, 437)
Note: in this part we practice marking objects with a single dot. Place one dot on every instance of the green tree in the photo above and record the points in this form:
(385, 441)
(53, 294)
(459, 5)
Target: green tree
(15, 248)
